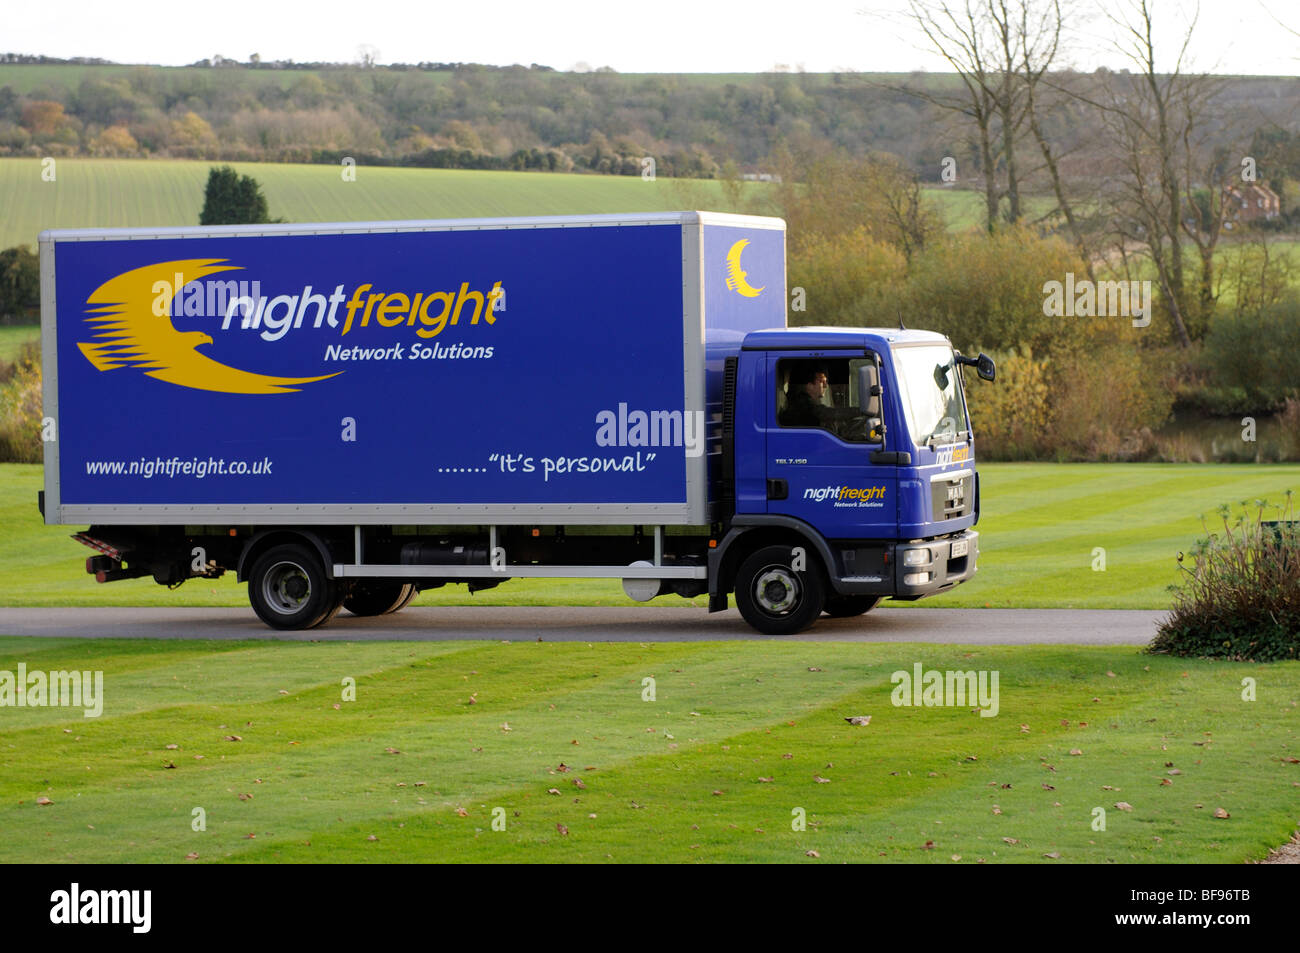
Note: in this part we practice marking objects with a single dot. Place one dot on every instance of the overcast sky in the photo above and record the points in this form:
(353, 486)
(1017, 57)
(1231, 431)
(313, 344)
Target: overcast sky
(632, 36)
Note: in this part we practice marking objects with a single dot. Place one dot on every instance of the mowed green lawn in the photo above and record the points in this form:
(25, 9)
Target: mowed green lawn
(1041, 527)
(255, 745)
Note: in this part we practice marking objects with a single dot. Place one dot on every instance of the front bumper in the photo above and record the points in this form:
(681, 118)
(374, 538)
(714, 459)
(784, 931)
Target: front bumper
(948, 561)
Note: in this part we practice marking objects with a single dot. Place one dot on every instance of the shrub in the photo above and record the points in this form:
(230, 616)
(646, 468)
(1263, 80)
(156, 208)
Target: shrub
(1240, 599)
(1105, 402)
(1254, 355)
(1010, 416)
(980, 288)
(850, 280)
(20, 409)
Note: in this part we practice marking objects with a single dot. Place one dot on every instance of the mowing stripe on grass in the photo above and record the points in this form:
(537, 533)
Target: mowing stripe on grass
(732, 712)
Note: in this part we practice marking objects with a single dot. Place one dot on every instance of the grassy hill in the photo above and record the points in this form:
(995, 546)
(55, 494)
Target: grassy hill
(140, 192)
(118, 193)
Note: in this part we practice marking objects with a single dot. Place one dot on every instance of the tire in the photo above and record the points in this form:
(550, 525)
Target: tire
(378, 598)
(775, 599)
(288, 588)
(844, 607)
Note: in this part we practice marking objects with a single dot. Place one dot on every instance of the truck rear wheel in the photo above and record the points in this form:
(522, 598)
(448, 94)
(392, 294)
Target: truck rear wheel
(775, 598)
(288, 588)
(378, 598)
(843, 607)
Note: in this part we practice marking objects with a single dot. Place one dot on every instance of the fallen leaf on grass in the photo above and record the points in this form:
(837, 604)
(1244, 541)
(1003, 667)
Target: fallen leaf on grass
(1048, 787)
(1123, 805)
(766, 780)
(996, 809)
(860, 720)
(956, 856)
(787, 756)
(1011, 840)
(245, 797)
(811, 853)
(192, 856)
(392, 751)
(1076, 751)
(372, 837)
(928, 845)
(564, 831)
(172, 747)
(1221, 813)
(461, 812)
(579, 783)
(553, 791)
(44, 801)
(234, 738)
(1054, 855)
(169, 765)
(505, 726)
(820, 780)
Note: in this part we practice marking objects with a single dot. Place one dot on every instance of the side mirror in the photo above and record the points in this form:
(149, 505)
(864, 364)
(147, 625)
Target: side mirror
(983, 365)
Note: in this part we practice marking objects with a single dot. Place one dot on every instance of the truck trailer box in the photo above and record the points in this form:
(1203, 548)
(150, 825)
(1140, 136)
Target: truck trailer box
(505, 371)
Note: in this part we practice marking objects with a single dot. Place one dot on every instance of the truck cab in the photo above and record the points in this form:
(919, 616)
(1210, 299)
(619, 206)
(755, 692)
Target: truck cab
(857, 442)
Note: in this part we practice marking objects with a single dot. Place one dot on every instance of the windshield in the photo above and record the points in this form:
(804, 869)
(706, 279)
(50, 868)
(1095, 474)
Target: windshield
(931, 392)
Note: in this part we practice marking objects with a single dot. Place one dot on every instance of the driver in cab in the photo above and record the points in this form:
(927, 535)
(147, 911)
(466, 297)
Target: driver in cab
(805, 407)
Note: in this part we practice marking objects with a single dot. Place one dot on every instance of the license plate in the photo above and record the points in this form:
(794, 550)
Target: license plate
(960, 548)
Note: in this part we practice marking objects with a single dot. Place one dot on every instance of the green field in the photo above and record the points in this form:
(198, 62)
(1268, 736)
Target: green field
(115, 193)
(257, 741)
(1041, 524)
(119, 193)
(13, 337)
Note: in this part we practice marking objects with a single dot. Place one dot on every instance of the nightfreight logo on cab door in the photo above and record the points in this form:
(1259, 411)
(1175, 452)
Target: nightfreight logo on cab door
(134, 321)
(847, 495)
(737, 277)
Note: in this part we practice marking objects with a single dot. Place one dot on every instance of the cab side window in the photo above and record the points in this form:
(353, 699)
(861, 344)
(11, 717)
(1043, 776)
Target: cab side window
(822, 394)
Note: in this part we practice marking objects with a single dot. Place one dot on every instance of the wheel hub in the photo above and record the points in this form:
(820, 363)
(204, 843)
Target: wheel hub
(286, 587)
(776, 589)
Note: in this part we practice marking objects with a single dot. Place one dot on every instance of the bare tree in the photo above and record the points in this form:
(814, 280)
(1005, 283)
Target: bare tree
(1149, 116)
(964, 37)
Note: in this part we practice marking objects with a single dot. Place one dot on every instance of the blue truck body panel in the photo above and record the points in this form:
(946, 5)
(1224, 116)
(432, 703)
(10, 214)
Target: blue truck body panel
(406, 371)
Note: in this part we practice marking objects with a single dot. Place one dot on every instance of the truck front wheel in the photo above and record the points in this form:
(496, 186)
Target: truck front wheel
(289, 589)
(378, 598)
(775, 598)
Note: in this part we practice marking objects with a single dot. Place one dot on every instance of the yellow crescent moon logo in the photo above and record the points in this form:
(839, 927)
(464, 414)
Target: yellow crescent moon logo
(736, 275)
(132, 334)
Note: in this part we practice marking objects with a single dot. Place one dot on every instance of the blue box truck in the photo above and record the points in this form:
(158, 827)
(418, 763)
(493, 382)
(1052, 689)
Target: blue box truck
(346, 414)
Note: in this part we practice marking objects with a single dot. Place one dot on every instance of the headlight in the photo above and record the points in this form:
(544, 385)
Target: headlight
(916, 557)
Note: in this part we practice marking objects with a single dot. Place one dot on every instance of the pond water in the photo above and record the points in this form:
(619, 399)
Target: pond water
(1224, 439)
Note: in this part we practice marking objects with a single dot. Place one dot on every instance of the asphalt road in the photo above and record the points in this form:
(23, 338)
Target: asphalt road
(599, 624)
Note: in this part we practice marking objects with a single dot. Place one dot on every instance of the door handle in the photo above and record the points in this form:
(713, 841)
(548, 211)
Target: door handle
(777, 489)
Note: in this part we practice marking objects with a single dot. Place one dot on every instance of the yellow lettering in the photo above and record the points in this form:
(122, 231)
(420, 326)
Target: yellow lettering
(415, 306)
(393, 304)
(434, 325)
(467, 295)
(352, 307)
